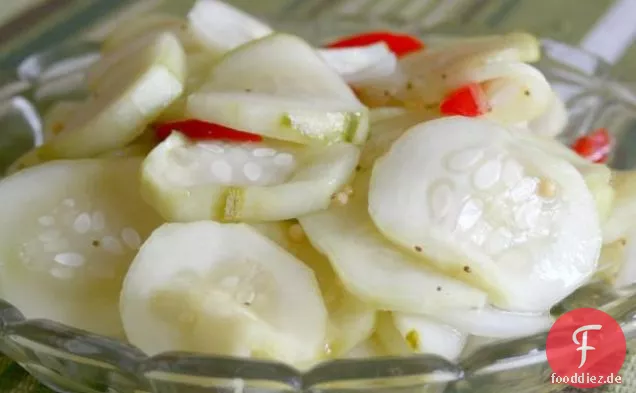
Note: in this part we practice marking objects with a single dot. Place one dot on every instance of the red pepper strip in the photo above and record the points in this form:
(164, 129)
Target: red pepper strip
(595, 146)
(469, 100)
(400, 44)
(198, 129)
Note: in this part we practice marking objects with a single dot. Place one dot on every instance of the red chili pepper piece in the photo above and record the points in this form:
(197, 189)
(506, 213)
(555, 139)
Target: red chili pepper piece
(469, 100)
(595, 146)
(198, 129)
(400, 44)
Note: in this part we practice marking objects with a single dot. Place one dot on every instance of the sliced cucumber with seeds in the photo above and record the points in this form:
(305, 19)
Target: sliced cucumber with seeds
(598, 177)
(70, 230)
(268, 181)
(279, 87)
(489, 208)
(232, 291)
(351, 321)
(129, 97)
(404, 334)
(375, 270)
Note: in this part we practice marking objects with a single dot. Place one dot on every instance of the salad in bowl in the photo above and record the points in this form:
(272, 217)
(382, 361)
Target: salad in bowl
(230, 190)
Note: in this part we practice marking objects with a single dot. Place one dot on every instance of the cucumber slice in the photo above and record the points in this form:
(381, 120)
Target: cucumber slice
(54, 124)
(404, 334)
(55, 118)
(376, 271)
(140, 147)
(516, 92)
(493, 323)
(175, 111)
(385, 129)
(70, 230)
(620, 257)
(258, 299)
(351, 321)
(489, 208)
(266, 181)
(622, 216)
(146, 28)
(199, 66)
(598, 177)
(220, 27)
(111, 60)
(553, 120)
(291, 95)
(613, 259)
(129, 97)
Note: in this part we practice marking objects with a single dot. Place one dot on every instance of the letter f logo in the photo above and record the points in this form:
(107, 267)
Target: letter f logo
(583, 343)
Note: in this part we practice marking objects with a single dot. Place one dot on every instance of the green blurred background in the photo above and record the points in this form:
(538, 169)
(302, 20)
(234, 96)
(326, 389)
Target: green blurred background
(603, 26)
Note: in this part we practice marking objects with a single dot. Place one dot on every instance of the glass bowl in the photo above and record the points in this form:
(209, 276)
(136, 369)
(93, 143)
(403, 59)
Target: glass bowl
(70, 360)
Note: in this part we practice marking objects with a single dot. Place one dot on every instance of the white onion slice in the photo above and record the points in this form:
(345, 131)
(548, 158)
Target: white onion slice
(360, 64)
